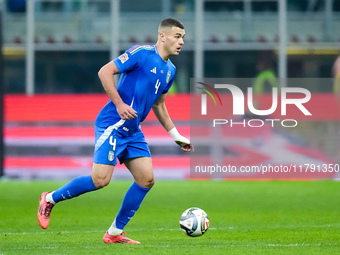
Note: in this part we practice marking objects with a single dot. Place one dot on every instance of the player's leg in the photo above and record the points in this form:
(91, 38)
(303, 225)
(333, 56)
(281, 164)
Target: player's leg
(100, 177)
(105, 160)
(142, 172)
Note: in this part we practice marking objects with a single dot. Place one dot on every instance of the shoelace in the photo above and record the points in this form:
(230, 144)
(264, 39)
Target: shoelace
(48, 209)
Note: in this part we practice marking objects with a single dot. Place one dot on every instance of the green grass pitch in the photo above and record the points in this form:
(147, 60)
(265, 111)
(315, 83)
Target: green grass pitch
(246, 217)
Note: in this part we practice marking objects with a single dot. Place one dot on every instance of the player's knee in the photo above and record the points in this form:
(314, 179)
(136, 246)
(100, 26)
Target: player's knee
(146, 182)
(149, 183)
(101, 182)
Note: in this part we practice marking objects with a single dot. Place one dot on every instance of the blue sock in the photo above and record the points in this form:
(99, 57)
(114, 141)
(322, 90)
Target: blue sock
(74, 188)
(132, 200)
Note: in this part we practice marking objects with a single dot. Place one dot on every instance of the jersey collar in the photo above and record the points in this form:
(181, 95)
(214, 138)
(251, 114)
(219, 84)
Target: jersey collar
(156, 50)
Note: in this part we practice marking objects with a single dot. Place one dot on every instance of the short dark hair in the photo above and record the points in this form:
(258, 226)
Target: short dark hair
(171, 22)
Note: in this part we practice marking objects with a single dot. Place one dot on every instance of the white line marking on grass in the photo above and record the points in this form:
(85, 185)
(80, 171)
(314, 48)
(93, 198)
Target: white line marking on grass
(88, 231)
(176, 229)
(281, 245)
(33, 248)
(248, 245)
(171, 229)
(51, 232)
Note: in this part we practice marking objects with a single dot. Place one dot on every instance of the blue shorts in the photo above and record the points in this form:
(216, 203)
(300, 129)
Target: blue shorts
(110, 145)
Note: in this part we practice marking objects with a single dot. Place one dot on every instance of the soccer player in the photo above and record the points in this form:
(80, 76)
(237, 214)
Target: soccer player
(146, 76)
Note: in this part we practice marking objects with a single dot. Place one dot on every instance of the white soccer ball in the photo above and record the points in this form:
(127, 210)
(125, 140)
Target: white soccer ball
(194, 222)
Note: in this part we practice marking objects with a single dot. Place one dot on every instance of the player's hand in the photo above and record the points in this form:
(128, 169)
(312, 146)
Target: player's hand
(182, 141)
(126, 112)
(185, 146)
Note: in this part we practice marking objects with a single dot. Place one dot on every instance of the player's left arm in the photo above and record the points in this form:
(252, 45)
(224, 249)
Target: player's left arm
(161, 112)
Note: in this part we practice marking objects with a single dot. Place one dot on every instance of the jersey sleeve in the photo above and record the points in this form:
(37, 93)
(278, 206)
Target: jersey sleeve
(130, 60)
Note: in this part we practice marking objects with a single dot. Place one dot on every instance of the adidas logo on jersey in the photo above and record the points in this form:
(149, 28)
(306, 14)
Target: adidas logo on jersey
(153, 70)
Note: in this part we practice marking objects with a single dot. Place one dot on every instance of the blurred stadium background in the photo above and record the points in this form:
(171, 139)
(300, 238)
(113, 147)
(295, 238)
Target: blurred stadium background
(52, 51)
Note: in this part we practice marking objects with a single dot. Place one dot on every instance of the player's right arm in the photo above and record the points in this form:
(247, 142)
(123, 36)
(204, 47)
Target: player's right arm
(163, 116)
(106, 76)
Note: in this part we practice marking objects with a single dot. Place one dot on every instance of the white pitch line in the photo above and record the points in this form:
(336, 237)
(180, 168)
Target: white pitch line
(165, 229)
(91, 231)
(252, 245)
(31, 248)
(50, 232)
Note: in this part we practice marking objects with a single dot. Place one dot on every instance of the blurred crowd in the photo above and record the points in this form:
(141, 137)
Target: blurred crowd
(188, 5)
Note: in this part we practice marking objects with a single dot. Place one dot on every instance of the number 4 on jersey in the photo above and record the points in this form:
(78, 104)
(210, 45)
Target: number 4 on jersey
(158, 84)
(113, 143)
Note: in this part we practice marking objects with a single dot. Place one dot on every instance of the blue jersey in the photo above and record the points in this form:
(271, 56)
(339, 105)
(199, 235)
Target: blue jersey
(144, 77)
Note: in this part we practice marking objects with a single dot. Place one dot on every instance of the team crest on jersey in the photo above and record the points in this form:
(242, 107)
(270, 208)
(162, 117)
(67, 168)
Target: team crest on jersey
(168, 76)
(111, 155)
(123, 58)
